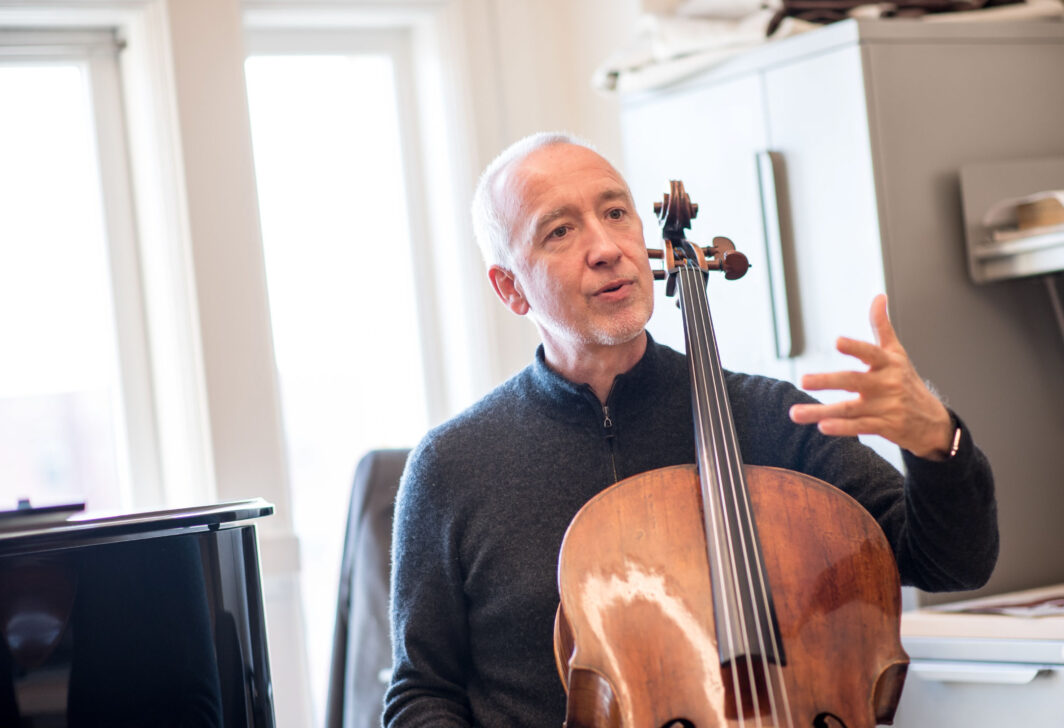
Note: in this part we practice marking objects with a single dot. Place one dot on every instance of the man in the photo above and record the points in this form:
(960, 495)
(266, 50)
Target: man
(487, 497)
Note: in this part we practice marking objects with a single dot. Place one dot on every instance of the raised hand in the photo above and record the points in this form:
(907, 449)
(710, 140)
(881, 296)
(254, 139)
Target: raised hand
(892, 400)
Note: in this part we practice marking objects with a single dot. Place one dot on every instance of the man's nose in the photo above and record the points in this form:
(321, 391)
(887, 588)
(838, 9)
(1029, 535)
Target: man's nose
(603, 249)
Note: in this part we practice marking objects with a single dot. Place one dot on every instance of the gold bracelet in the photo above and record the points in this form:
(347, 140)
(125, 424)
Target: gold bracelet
(956, 441)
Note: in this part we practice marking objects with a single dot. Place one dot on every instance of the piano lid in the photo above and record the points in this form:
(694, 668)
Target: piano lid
(33, 529)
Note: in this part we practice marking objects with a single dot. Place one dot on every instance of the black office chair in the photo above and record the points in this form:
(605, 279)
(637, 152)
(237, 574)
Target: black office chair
(362, 655)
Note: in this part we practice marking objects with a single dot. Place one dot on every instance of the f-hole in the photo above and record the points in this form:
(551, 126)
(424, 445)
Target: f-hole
(827, 720)
(679, 723)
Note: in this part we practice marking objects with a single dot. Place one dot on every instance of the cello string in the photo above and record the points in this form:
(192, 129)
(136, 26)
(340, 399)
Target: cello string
(715, 523)
(731, 455)
(772, 675)
(712, 467)
(698, 313)
(713, 515)
(724, 597)
(774, 682)
(759, 590)
(724, 458)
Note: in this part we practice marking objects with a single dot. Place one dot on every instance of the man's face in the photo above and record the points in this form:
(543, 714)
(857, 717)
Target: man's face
(579, 263)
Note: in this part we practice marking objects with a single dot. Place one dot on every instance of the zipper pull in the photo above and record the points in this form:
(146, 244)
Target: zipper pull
(607, 423)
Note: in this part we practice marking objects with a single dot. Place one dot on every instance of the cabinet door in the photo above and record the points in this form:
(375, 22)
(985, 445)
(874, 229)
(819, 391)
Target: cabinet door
(709, 138)
(981, 695)
(818, 123)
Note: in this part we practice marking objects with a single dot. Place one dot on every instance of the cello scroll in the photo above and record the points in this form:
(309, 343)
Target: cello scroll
(675, 213)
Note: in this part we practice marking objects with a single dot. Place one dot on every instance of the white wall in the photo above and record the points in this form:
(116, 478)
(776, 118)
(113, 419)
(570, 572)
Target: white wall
(530, 66)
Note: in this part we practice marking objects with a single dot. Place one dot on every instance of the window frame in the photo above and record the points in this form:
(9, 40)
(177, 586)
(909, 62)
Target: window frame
(396, 44)
(136, 436)
(459, 315)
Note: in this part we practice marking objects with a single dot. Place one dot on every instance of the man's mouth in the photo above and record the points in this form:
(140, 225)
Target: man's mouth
(611, 287)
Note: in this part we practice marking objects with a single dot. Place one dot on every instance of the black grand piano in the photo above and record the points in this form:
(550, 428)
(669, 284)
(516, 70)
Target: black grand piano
(147, 620)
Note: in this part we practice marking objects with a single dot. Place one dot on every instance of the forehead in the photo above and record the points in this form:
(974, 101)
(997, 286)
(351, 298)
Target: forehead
(555, 176)
(564, 158)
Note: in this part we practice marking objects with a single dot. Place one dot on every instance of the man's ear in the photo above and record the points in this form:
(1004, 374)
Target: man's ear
(508, 290)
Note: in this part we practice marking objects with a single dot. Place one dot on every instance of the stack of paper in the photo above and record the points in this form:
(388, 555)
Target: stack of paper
(1026, 217)
(1030, 614)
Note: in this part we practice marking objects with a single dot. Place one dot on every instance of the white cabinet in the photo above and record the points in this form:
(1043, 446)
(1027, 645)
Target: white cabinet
(818, 123)
(810, 112)
(970, 694)
(972, 666)
(709, 141)
(873, 121)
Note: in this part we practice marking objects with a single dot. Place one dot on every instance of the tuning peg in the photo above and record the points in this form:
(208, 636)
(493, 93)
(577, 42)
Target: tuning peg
(660, 275)
(655, 253)
(723, 256)
(734, 264)
(659, 206)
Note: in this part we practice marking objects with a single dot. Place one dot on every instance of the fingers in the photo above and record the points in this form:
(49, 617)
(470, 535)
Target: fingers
(849, 428)
(878, 356)
(843, 419)
(871, 354)
(880, 320)
(808, 414)
(892, 400)
(844, 380)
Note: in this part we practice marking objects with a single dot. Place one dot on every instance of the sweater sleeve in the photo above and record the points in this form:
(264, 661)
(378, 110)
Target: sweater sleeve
(950, 539)
(428, 617)
(940, 518)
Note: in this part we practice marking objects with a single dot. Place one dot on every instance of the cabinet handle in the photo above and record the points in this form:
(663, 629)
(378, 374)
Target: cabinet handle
(977, 672)
(770, 177)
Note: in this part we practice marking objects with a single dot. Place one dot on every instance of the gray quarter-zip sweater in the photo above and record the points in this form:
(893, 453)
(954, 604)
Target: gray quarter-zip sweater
(487, 497)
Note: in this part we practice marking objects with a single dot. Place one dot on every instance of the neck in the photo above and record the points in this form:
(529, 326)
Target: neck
(596, 365)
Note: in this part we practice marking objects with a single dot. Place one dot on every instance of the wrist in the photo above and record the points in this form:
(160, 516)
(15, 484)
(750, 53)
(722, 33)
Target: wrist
(948, 441)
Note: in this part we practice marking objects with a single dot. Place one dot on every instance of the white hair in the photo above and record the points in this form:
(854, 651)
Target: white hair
(490, 225)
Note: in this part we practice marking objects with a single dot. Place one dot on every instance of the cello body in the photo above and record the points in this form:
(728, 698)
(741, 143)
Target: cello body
(636, 644)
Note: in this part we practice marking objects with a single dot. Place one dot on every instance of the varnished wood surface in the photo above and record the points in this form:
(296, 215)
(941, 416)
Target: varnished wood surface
(636, 619)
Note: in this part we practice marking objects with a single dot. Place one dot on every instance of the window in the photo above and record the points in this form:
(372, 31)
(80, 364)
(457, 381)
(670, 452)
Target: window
(71, 378)
(329, 133)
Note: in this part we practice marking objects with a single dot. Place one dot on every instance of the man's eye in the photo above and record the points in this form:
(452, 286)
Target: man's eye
(615, 214)
(559, 232)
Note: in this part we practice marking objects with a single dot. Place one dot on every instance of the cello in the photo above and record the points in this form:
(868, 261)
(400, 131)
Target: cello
(718, 594)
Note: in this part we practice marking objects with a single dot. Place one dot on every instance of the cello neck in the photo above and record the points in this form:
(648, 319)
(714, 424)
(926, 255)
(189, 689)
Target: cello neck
(744, 614)
(745, 617)
(715, 438)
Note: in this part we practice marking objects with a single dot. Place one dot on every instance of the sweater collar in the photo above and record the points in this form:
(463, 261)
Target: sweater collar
(632, 392)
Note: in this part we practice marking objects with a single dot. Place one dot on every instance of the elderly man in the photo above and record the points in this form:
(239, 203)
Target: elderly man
(486, 497)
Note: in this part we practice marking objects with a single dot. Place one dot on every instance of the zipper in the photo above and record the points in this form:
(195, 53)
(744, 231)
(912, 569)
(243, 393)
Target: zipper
(607, 431)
